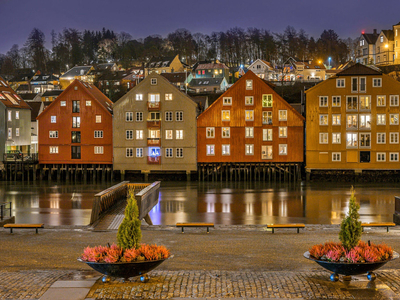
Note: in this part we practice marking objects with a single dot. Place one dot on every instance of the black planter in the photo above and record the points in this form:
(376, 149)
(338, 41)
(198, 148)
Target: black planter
(124, 269)
(348, 269)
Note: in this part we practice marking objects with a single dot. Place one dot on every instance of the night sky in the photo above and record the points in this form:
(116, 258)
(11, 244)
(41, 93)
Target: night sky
(142, 18)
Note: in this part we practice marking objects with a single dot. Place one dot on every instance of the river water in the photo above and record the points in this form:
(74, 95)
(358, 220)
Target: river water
(220, 203)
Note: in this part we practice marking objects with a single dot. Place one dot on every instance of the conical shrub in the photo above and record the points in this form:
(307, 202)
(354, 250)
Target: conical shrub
(350, 228)
(129, 232)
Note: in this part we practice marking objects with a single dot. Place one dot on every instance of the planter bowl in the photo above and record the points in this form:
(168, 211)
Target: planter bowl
(348, 269)
(124, 269)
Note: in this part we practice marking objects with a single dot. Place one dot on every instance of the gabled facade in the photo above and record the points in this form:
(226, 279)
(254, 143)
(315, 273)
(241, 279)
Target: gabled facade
(208, 85)
(76, 128)
(396, 38)
(41, 83)
(365, 50)
(263, 69)
(155, 128)
(78, 72)
(211, 70)
(384, 48)
(15, 121)
(164, 65)
(353, 121)
(250, 123)
(310, 70)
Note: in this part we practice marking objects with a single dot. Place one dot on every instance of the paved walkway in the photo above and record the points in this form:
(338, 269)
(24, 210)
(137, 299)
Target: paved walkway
(232, 262)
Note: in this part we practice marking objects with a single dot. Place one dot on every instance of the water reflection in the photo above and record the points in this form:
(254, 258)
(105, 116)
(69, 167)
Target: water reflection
(221, 203)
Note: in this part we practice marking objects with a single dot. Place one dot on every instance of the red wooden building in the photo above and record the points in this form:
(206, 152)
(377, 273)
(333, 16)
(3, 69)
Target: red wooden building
(75, 132)
(250, 131)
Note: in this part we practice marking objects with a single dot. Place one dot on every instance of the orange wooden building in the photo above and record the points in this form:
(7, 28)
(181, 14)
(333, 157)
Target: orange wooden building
(75, 131)
(252, 128)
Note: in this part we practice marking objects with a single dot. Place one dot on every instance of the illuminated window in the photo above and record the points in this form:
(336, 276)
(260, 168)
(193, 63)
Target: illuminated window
(266, 152)
(249, 132)
(380, 100)
(267, 117)
(283, 132)
(267, 100)
(168, 97)
(88, 103)
(282, 149)
(179, 134)
(336, 119)
(283, 115)
(365, 140)
(336, 138)
(226, 132)
(53, 149)
(323, 119)
(365, 122)
(76, 122)
(323, 138)
(129, 134)
(210, 149)
(17, 115)
(267, 134)
(365, 103)
(249, 100)
(53, 119)
(351, 121)
(249, 84)
(10, 116)
(98, 149)
(394, 119)
(351, 140)
(168, 135)
(139, 134)
(226, 149)
(226, 115)
(249, 149)
(249, 115)
(381, 138)
(63, 103)
(98, 118)
(210, 132)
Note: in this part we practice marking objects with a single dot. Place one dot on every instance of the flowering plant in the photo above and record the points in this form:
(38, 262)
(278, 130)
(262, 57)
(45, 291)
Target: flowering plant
(128, 248)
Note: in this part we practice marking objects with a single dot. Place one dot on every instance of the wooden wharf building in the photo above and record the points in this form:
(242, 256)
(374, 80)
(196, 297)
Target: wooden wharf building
(75, 135)
(250, 133)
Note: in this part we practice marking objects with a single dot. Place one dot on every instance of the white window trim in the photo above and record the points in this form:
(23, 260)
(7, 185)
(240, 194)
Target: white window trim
(212, 129)
(340, 119)
(321, 134)
(340, 101)
(384, 97)
(340, 138)
(327, 100)
(251, 146)
(381, 153)
(390, 156)
(285, 131)
(251, 112)
(248, 97)
(282, 145)
(390, 100)
(390, 138)
(337, 153)
(229, 152)
(222, 115)
(228, 101)
(373, 84)
(222, 133)
(210, 146)
(390, 119)
(359, 140)
(341, 80)
(327, 120)
(283, 110)
(377, 140)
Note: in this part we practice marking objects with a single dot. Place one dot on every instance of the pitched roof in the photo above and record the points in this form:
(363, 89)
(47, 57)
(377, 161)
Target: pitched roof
(207, 66)
(160, 62)
(98, 95)
(268, 64)
(28, 96)
(359, 69)
(76, 71)
(9, 97)
(370, 37)
(52, 93)
(313, 64)
(206, 81)
(176, 77)
(43, 77)
(389, 34)
(105, 66)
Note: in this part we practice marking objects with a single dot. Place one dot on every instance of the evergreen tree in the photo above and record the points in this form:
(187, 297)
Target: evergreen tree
(129, 232)
(350, 228)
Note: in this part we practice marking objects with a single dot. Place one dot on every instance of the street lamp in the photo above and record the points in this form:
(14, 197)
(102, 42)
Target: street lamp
(329, 61)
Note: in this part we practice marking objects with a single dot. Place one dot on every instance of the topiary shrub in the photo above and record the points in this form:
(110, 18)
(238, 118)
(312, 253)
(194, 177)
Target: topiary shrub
(129, 232)
(350, 228)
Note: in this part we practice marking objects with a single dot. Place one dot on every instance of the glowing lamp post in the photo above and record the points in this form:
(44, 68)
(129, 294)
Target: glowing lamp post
(329, 61)
(387, 47)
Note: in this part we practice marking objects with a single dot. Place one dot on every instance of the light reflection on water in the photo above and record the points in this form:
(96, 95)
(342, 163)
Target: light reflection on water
(220, 203)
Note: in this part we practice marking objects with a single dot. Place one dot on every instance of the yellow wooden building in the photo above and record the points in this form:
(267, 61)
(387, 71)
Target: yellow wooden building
(352, 122)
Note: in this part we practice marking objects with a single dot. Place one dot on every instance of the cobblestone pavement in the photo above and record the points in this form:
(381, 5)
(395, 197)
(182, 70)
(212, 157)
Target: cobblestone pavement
(212, 284)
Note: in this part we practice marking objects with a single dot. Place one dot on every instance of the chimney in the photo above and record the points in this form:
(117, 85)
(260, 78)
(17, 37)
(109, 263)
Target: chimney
(375, 33)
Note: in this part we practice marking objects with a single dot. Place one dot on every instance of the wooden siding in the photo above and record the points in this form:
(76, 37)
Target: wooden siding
(64, 127)
(212, 117)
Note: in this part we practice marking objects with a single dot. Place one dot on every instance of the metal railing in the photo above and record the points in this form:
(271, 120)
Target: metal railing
(20, 157)
(4, 209)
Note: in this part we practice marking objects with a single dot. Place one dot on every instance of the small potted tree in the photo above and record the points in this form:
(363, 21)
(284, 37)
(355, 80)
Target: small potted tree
(127, 258)
(351, 256)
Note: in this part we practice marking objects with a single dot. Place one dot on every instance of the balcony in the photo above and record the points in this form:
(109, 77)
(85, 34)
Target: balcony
(154, 105)
(153, 142)
(154, 160)
(153, 123)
